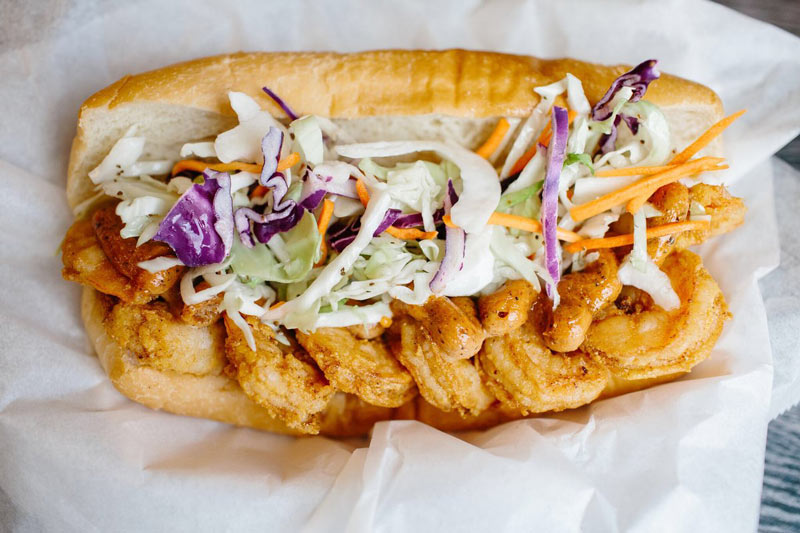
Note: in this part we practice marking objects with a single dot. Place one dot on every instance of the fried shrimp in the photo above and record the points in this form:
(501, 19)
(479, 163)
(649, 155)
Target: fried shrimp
(507, 308)
(86, 263)
(362, 367)
(366, 331)
(278, 377)
(448, 383)
(583, 295)
(125, 255)
(199, 314)
(673, 202)
(727, 213)
(159, 340)
(452, 324)
(525, 375)
(649, 341)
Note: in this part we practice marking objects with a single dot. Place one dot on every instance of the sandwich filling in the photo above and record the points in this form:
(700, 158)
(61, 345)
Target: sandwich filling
(290, 227)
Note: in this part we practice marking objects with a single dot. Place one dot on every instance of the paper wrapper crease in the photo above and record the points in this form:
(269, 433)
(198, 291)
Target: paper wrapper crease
(687, 456)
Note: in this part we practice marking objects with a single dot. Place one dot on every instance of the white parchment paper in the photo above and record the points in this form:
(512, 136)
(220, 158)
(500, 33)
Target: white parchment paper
(77, 456)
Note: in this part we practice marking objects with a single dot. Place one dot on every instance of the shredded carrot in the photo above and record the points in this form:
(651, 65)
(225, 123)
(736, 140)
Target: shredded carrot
(200, 166)
(494, 140)
(260, 190)
(276, 305)
(631, 171)
(626, 239)
(408, 234)
(706, 138)
(642, 186)
(401, 233)
(523, 223)
(322, 225)
(636, 203)
(544, 138)
(362, 192)
(288, 162)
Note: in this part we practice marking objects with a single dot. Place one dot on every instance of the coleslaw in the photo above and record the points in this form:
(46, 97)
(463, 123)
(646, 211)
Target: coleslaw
(403, 230)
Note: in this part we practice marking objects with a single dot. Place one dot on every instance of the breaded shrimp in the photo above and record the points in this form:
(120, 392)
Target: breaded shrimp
(86, 263)
(507, 308)
(365, 368)
(159, 340)
(649, 341)
(446, 382)
(125, 255)
(526, 376)
(285, 383)
(583, 295)
(451, 323)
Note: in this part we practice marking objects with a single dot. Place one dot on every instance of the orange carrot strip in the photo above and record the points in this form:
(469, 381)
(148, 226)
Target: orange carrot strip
(401, 233)
(362, 192)
(199, 166)
(703, 141)
(322, 226)
(626, 239)
(260, 190)
(288, 162)
(642, 186)
(494, 140)
(631, 171)
(523, 223)
(408, 234)
(636, 203)
(544, 138)
(276, 305)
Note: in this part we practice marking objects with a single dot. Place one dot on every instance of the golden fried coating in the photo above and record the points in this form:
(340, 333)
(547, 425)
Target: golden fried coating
(507, 308)
(673, 202)
(365, 368)
(727, 213)
(583, 294)
(275, 377)
(86, 263)
(651, 342)
(366, 331)
(452, 324)
(448, 383)
(159, 340)
(525, 375)
(201, 314)
(125, 255)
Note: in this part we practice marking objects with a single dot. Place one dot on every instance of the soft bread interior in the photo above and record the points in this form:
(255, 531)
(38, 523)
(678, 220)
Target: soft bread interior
(454, 95)
(168, 127)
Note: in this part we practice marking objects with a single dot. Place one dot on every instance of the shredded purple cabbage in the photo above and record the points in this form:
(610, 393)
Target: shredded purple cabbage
(285, 213)
(315, 187)
(637, 79)
(199, 227)
(556, 153)
(278, 100)
(608, 142)
(342, 233)
(455, 244)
